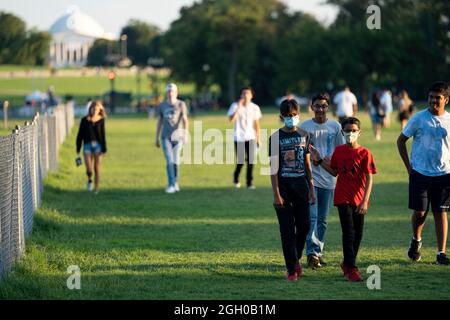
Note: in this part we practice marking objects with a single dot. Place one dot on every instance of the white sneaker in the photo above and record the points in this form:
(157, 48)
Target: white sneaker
(177, 187)
(89, 186)
(237, 185)
(252, 187)
(170, 190)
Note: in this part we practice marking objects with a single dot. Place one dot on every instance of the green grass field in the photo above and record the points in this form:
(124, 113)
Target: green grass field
(15, 90)
(210, 241)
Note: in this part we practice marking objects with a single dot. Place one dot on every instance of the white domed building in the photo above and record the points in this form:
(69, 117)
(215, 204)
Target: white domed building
(72, 36)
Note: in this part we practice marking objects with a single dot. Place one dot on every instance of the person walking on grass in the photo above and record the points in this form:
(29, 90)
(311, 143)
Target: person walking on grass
(405, 108)
(346, 104)
(325, 135)
(91, 134)
(354, 166)
(172, 132)
(429, 169)
(245, 115)
(292, 185)
(386, 105)
(377, 114)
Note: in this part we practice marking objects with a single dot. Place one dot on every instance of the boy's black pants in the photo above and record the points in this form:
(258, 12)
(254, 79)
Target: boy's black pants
(352, 225)
(293, 218)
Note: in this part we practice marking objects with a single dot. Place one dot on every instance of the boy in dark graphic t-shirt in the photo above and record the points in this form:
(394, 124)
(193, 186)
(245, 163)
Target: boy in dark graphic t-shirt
(292, 185)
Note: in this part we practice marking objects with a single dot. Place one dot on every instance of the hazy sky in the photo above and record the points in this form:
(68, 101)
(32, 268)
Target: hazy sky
(114, 14)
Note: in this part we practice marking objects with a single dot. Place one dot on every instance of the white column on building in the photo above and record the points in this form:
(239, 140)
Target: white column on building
(55, 53)
(64, 62)
(61, 53)
(86, 51)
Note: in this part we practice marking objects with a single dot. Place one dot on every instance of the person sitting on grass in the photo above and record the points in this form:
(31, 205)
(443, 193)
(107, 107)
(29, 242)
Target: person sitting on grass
(354, 166)
(292, 185)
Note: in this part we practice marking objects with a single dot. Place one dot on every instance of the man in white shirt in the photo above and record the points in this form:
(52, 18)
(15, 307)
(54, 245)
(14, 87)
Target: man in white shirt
(386, 104)
(429, 169)
(346, 104)
(245, 115)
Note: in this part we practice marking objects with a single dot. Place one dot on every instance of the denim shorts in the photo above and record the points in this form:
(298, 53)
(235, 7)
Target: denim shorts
(92, 147)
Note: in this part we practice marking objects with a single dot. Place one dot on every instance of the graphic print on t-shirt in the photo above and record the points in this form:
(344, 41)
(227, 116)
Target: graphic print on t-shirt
(169, 114)
(292, 156)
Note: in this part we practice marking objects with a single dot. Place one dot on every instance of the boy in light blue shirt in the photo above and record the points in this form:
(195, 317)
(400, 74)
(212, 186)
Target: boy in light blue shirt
(429, 169)
(325, 134)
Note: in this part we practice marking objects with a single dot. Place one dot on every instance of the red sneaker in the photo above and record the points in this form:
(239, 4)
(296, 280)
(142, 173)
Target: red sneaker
(298, 270)
(353, 275)
(344, 269)
(292, 277)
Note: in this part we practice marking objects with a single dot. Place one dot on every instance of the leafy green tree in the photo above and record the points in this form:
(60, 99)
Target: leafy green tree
(19, 46)
(229, 37)
(142, 41)
(98, 52)
(12, 35)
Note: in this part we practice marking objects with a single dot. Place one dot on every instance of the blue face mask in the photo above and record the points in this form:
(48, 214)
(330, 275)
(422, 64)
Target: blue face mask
(291, 122)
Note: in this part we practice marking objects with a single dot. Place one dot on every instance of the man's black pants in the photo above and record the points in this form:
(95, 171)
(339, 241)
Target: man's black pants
(247, 148)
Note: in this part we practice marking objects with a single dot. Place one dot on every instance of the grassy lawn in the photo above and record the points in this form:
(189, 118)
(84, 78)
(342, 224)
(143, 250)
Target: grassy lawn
(11, 125)
(210, 241)
(81, 88)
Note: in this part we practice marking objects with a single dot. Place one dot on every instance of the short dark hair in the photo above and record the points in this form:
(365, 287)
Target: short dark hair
(248, 88)
(288, 105)
(440, 87)
(320, 96)
(351, 120)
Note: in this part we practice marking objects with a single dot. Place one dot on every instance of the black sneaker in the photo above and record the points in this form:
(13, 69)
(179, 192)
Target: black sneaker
(313, 262)
(442, 259)
(414, 250)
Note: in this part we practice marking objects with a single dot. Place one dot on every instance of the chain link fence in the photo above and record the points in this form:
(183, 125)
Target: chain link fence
(27, 155)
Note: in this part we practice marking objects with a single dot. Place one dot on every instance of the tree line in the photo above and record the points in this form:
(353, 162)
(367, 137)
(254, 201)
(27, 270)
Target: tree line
(19, 45)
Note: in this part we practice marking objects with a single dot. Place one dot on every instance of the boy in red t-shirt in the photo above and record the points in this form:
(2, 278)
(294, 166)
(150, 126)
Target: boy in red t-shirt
(354, 166)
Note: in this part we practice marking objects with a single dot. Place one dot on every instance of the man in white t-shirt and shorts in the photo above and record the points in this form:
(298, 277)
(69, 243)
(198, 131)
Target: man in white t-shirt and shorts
(429, 169)
(346, 104)
(245, 115)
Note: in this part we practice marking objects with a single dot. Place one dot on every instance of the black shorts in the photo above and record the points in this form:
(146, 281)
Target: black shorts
(424, 190)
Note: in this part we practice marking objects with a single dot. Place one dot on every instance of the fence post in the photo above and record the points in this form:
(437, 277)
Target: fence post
(5, 114)
(17, 227)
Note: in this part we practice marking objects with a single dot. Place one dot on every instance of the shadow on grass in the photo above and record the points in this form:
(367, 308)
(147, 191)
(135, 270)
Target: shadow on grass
(240, 281)
(196, 219)
(217, 226)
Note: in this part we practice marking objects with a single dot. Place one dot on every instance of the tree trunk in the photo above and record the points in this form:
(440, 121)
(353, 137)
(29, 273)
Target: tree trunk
(232, 73)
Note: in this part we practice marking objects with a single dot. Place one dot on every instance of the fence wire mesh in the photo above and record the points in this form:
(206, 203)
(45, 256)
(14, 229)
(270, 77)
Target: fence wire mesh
(26, 157)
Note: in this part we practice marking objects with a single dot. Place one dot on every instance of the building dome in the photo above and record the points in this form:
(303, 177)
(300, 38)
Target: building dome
(81, 24)
(73, 35)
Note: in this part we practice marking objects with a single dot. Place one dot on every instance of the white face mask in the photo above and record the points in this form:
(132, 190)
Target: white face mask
(291, 122)
(351, 137)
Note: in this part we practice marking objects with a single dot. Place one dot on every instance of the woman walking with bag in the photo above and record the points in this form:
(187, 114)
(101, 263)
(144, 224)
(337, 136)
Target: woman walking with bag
(91, 134)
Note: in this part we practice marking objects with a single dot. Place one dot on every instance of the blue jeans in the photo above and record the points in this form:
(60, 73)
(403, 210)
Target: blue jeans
(172, 151)
(318, 215)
